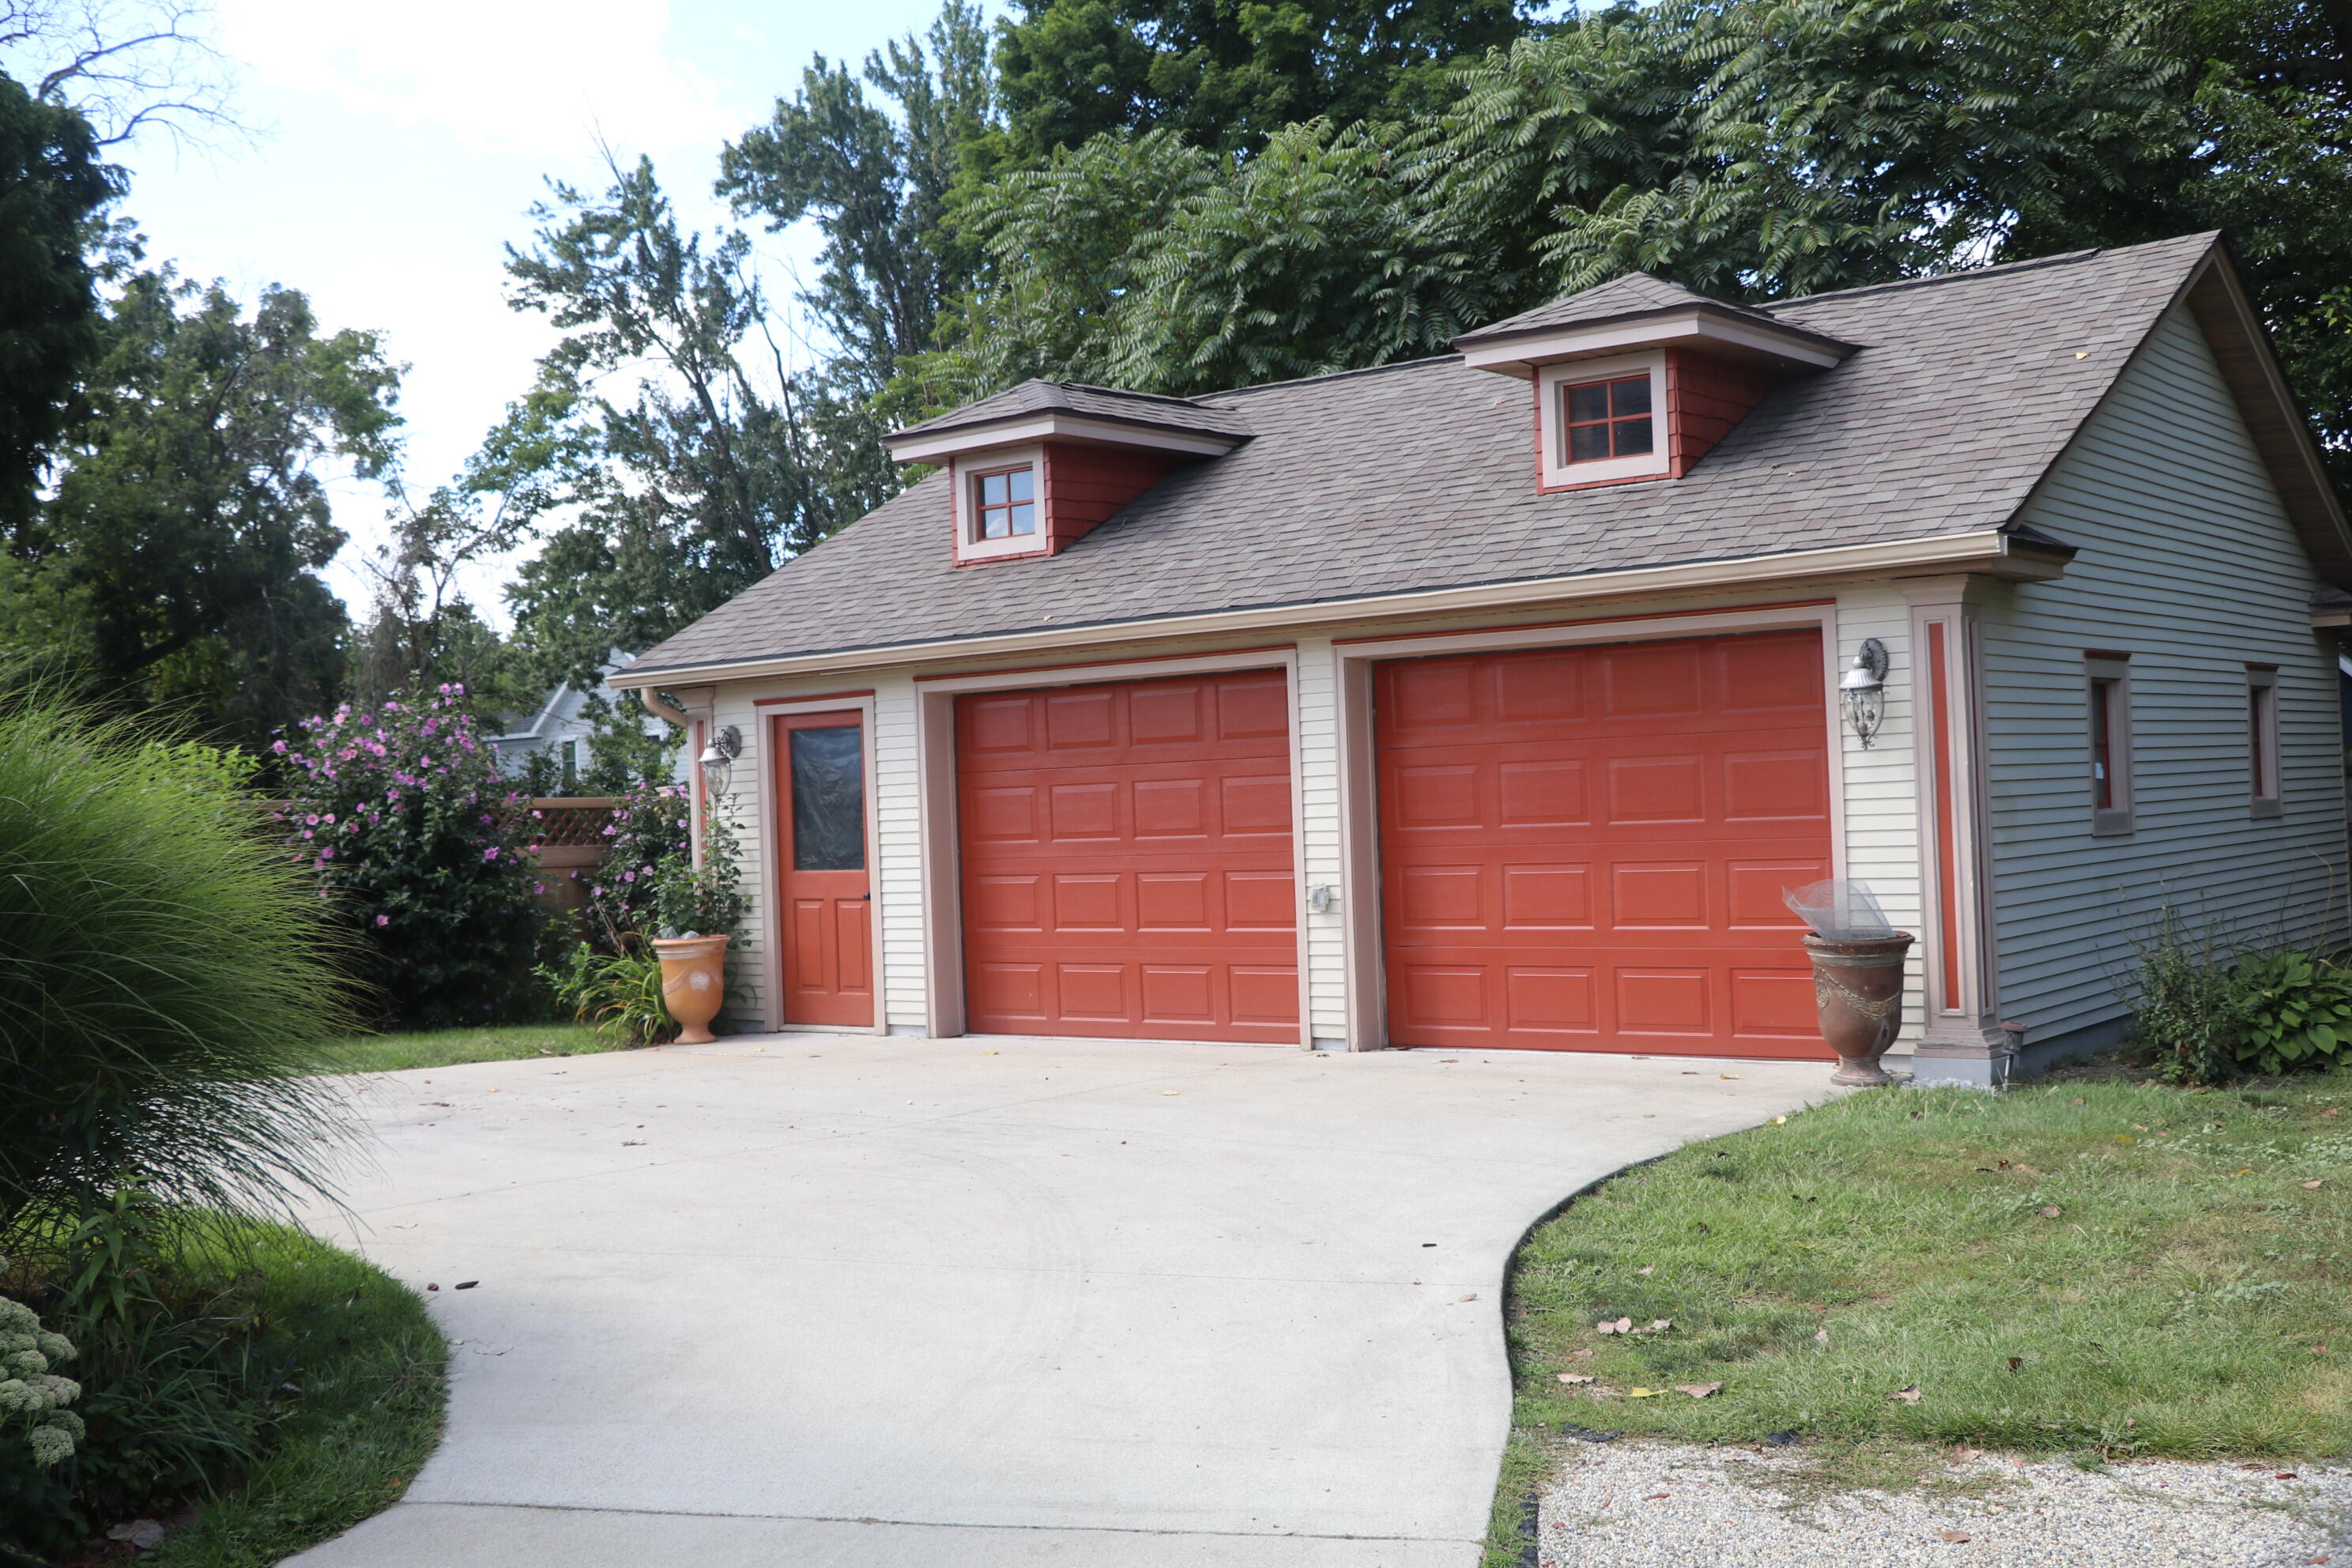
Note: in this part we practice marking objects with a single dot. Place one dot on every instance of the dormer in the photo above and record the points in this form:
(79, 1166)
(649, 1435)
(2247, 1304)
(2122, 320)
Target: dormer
(1033, 470)
(1637, 378)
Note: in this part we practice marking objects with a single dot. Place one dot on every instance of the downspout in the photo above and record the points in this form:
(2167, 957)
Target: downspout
(659, 709)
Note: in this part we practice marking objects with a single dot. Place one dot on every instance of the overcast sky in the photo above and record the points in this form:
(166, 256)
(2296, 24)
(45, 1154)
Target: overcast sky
(398, 148)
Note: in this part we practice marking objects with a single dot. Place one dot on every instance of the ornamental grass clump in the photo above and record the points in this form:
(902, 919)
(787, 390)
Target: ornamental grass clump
(422, 849)
(168, 987)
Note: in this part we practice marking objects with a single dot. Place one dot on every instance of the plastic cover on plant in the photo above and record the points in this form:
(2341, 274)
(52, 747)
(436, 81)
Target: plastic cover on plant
(1839, 909)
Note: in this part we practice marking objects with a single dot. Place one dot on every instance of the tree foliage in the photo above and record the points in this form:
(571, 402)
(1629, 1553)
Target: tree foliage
(189, 512)
(52, 185)
(1230, 76)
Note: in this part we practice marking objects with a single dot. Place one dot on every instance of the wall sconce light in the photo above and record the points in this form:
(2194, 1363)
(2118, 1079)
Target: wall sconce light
(1862, 693)
(717, 761)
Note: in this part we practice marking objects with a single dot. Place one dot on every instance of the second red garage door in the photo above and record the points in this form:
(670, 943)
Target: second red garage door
(1584, 848)
(1128, 861)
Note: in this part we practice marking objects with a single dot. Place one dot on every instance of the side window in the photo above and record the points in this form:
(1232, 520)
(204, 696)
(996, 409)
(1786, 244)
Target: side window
(2263, 741)
(2107, 682)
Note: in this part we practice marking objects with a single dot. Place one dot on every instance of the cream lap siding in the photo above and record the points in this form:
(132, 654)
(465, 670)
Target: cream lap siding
(1317, 714)
(2189, 565)
(1881, 826)
(897, 810)
(747, 961)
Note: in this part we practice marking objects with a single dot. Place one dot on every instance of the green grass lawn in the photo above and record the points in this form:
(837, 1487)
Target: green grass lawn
(2090, 1265)
(447, 1047)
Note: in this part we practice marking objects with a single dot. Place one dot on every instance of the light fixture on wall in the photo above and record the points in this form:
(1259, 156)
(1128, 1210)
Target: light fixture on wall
(1862, 693)
(717, 761)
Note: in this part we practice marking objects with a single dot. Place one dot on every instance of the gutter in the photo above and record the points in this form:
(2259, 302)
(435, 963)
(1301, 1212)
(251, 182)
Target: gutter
(1998, 552)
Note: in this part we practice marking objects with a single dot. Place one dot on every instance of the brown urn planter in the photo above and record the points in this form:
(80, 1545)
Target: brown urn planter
(1858, 990)
(694, 983)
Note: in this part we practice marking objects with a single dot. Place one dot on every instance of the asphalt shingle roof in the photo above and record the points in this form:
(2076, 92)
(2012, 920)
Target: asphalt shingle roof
(1634, 294)
(1416, 477)
(1092, 402)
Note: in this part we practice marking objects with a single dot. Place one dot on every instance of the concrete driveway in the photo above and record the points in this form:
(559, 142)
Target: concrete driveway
(798, 1300)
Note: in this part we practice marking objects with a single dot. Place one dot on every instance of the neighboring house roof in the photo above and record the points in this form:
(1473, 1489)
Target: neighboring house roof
(1965, 390)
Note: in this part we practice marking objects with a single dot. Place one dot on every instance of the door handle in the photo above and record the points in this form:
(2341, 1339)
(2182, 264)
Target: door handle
(867, 897)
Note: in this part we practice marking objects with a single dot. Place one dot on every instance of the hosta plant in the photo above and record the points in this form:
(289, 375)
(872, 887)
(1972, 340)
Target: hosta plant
(2294, 1014)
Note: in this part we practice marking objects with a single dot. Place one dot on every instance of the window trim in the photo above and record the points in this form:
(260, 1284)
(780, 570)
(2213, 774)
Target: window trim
(1609, 422)
(2262, 742)
(967, 469)
(975, 531)
(1552, 382)
(2112, 670)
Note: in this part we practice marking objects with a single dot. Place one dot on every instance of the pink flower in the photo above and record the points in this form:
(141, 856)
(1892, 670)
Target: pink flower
(491, 853)
(384, 919)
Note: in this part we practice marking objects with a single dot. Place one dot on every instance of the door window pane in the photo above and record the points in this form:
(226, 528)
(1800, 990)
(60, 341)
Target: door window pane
(828, 800)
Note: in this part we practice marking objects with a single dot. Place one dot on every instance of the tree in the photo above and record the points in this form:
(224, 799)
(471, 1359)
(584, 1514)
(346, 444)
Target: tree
(190, 511)
(52, 187)
(126, 66)
(1229, 74)
(696, 488)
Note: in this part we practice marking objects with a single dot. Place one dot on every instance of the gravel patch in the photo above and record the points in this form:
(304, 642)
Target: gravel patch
(1731, 1507)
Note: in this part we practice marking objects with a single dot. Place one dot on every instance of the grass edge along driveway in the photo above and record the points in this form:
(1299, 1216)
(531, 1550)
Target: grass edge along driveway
(2094, 1267)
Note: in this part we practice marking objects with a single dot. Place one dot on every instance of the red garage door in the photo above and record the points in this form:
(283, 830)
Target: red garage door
(1127, 859)
(1584, 848)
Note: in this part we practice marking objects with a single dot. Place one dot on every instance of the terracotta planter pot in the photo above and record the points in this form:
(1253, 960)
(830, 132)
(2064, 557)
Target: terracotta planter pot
(1858, 990)
(694, 983)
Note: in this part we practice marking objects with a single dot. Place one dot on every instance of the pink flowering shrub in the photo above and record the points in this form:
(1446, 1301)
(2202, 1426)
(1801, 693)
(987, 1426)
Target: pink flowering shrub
(648, 827)
(420, 844)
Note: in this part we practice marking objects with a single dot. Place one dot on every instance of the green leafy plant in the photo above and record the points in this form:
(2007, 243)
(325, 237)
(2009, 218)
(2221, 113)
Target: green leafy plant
(647, 831)
(2187, 1006)
(2292, 1012)
(35, 1425)
(621, 993)
(706, 899)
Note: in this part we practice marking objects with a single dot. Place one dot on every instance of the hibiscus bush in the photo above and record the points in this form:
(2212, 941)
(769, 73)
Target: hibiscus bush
(423, 846)
(649, 826)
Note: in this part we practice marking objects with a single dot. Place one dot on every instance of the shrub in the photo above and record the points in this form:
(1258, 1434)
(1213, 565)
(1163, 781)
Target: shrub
(648, 829)
(167, 985)
(36, 1428)
(704, 900)
(422, 847)
(620, 992)
(2204, 1015)
(2294, 1013)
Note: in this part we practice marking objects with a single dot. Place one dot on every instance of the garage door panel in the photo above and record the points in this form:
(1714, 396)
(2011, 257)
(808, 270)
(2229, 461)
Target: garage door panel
(1128, 859)
(1585, 849)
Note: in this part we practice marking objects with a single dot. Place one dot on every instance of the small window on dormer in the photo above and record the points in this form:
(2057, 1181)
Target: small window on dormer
(1004, 503)
(1608, 419)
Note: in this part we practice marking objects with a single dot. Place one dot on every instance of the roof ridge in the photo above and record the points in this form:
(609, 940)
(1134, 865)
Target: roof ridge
(1120, 391)
(2055, 258)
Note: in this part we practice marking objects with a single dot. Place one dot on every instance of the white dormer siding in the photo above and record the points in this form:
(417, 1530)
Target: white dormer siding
(2188, 563)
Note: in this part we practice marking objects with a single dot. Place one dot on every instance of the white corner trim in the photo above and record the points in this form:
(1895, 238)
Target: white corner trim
(1055, 426)
(1519, 355)
(1985, 550)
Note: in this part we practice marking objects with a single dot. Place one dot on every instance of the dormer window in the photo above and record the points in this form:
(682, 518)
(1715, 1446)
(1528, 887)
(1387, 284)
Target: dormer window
(1005, 504)
(1609, 419)
(1602, 420)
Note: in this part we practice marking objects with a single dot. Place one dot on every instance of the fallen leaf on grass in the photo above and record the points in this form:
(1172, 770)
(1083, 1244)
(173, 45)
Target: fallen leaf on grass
(1641, 1393)
(2025, 1170)
(1657, 1326)
(1963, 1454)
(2049, 1211)
(1618, 1326)
(1957, 1537)
(2284, 1475)
(2015, 1362)
(1585, 1354)
(1909, 1393)
(1647, 1269)
(2319, 1349)
(1779, 1122)
(465, 1284)
(2309, 1186)
(2076, 1100)
(1574, 1377)
(1697, 1390)
(1820, 1336)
